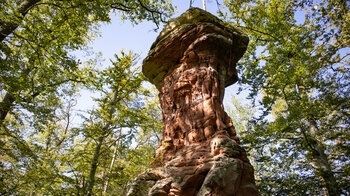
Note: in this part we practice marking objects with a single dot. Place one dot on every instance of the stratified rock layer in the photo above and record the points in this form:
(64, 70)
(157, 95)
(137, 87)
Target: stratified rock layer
(191, 63)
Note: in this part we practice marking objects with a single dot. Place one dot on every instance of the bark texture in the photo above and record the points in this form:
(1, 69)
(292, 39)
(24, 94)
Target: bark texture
(323, 167)
(191, 63)
(7, 27)
(5, 106)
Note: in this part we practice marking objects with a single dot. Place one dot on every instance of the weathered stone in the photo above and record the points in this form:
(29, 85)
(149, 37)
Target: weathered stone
(161, 188)
(191, 63)
(195, 30)
(142, 184)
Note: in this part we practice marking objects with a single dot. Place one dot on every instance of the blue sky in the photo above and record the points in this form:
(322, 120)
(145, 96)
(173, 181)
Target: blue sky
(119, 34)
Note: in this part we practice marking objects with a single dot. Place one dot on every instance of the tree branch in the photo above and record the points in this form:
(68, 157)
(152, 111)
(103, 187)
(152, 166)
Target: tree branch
(6, 28)
(5, 106)
(259, 31)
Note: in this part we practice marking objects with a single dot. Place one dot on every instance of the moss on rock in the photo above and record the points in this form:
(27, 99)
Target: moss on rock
(181, 32)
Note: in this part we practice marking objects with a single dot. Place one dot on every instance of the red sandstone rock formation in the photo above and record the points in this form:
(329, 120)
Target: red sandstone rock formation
(191, 63)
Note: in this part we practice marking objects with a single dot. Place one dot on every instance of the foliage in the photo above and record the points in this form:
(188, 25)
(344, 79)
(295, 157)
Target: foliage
(298, 62)
(41, 150)
(114, 144)
(35, 55)
(119, 118)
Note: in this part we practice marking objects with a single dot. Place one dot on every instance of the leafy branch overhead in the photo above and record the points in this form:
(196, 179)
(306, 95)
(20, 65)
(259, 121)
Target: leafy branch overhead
(298, 62)
(41, 145)
(38, 35)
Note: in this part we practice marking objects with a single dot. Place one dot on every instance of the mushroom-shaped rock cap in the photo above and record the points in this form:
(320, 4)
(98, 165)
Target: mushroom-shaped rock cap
(195, 30)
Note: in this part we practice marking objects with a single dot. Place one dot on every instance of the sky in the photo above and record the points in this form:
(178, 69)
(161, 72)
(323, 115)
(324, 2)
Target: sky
(119, 34)
(122, 35)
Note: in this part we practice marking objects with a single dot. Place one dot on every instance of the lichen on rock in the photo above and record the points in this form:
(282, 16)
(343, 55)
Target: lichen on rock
(176, 37)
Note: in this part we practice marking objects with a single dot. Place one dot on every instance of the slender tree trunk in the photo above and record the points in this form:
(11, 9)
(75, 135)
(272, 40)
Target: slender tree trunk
(112, 163)
(204, 6)
(109, 171)
(323, 167)
(103, 176)
(94, 163)
(317, 152)
(5, 106)
(6, 28)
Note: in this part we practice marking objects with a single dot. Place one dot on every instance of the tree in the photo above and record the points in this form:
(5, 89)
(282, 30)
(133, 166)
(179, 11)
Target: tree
(58, 158)
(39, 82)
(298, 62)
(121, 119)
(37, 36)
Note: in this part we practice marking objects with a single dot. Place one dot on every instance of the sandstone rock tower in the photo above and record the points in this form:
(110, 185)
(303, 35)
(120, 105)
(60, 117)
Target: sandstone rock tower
(191, 63)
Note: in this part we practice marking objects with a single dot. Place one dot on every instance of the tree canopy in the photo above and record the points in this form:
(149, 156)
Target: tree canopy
(42, 152)
(38, 36)
(298, 63)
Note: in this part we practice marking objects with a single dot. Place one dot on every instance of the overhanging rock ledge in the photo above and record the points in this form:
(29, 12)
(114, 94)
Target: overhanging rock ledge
(194, 28)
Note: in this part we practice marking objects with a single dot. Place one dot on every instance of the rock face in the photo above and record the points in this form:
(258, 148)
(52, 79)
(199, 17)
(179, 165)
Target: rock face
(191, 63)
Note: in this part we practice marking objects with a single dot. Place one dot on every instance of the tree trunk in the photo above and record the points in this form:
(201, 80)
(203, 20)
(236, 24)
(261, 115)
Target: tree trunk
(94, 165)
(6, 28)
(323, 167)
(5, 106)
(99, 145)
(112, 162)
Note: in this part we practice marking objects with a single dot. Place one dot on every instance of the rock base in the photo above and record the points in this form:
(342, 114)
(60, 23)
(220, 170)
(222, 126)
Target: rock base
(217, 168)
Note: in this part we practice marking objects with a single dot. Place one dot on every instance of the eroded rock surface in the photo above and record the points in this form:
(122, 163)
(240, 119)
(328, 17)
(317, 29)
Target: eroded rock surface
(191, 63)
